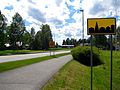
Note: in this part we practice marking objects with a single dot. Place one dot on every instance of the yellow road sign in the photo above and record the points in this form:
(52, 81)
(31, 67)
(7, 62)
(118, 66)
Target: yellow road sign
(101, 26)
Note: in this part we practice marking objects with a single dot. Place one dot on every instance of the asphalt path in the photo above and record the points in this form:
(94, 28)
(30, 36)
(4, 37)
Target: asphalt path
(32, 77)
(9, 58)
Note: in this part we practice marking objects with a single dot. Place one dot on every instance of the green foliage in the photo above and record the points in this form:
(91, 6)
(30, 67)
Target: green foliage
(18, 38)
(100, 41)
(118, 36)
(26, 40)
(16, 31)
(2, 31)
(46, 36)
(64, 42)
(38, 41)
(83, 54)
(32, 41)
(32, 33)
(69, 42)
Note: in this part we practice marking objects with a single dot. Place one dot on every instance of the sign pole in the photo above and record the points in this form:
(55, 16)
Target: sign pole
(96, 27)
(50, 52)
(83, 25)
(91, 64)
(110, 62)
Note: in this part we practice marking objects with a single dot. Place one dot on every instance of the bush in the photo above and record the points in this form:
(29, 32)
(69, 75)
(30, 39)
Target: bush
(83, 54)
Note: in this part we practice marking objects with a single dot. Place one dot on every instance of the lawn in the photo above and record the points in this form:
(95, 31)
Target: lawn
(75, 76)
(16, 64)
(9, 52)
(56, 49)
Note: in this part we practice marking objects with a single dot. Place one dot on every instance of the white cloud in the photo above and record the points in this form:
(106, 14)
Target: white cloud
(58, 2)
(54, 13)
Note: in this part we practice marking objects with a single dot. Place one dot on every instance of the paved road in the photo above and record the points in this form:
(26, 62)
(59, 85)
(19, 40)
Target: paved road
(27, 56)
(32, 77)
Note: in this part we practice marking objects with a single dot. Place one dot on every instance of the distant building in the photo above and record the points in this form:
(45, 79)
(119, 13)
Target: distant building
(67, 46)
(7, 45)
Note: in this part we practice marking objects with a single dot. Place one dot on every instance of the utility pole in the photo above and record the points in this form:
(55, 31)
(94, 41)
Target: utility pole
(82, 25)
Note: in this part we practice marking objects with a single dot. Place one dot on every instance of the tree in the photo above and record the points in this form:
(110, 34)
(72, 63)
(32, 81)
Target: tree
(2, 31)
(100, 41)
(17, 29)
(88, 40)
(68, 41)
(26, 40)
(38, 41)
(118, 36)
(72, 42)
(78, 42)
(57, 45)
(64, 42)
(32, 34)
(46, 36)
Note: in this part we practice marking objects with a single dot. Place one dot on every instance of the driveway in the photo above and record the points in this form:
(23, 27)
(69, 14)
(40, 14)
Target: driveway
(32, 77)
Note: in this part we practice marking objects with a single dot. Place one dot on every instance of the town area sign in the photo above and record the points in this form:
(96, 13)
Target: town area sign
(101, 26)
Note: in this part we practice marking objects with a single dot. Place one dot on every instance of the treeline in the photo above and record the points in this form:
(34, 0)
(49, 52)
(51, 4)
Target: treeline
(100, 41)
(75, 42)
(15, 35)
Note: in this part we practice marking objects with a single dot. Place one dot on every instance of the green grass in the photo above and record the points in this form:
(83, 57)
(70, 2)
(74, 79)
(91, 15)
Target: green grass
(56, 49)
(16, 64)
(12, 52)
(75, 76)
(9, 52)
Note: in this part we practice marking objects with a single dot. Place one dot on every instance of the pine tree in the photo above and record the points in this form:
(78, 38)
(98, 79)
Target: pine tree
(32, 43)
(46, 36)
(26, 40)
(2, 31)
(17, 29)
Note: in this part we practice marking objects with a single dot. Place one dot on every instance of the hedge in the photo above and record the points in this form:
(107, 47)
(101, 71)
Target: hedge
(83, 54)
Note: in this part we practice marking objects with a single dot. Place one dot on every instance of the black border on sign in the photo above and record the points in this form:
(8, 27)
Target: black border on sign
(100, 33)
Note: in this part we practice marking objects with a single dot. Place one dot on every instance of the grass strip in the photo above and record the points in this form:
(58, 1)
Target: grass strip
(13, 52)
(75, 76)
(57, 49)
(16, 64)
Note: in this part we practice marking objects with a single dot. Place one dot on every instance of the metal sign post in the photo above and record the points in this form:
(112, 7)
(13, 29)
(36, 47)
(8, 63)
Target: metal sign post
(110, 62)
(91, 64)
(52, 45)
(101, 26)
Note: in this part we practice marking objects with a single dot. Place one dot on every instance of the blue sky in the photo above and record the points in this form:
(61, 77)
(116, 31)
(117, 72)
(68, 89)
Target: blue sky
(63, 16)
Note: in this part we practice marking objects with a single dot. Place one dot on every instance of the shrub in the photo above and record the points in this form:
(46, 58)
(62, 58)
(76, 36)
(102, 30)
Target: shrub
(83, 54)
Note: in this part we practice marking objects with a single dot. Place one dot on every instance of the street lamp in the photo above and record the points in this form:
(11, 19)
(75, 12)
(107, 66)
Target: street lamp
(82, 25)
